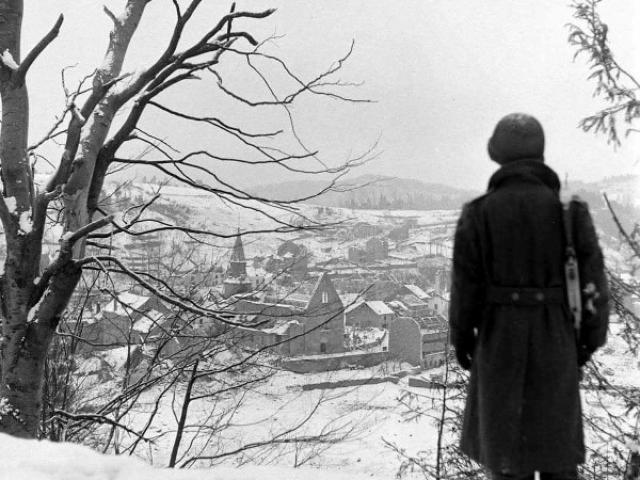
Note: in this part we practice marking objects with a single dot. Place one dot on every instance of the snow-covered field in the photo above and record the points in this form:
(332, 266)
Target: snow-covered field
(369, 415)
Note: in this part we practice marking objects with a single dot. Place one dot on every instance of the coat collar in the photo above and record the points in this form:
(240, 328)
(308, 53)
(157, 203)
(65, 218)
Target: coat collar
(525, 170)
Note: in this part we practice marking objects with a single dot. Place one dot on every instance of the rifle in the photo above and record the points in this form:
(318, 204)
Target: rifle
(571, 272)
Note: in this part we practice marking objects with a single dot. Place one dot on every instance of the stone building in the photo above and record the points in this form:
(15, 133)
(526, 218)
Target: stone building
(364, 230)
(371, 314)
(310, 327)
(291, 259)
(374, 249)
(421, 342)
(405, 340)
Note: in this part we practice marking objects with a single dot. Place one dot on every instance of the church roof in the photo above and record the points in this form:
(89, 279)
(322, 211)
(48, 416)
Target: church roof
(237, 254)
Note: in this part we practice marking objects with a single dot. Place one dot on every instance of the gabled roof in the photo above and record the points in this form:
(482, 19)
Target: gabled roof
(324, 285)
(353, 306)
(377, 306)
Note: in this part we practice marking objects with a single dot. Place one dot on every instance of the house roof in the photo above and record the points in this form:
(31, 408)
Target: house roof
(281, 327)
(430, 324)
(126, 299)
(351, 300)
(145, 323)
(379, 307)
(398, 304)
(417, 291)
(413, 301)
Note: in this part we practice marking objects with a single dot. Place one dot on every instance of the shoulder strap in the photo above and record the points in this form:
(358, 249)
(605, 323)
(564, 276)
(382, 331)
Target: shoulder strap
(567, 220)
(568, 228)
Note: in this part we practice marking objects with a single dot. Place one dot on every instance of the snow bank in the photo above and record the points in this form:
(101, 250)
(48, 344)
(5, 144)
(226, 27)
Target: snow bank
(42, 460)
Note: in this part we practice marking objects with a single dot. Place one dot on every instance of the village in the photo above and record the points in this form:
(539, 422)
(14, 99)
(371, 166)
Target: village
(372, 293)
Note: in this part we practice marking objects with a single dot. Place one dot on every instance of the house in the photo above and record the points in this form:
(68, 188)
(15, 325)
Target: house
(371, 314)
(438, 302)
(364, 230)
(291, 259)
(415, 307)
(126, 319)
(377, 248)
(399, 234)
(374, 249)
(415, 291)
(357, 255)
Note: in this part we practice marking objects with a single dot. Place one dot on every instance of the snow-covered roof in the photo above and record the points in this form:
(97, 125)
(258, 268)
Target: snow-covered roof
(398, 304)
(413, 301)
(281, 327)
(145, 323)
(377, 306)
(417, 291)
(380, 307)
(126, 298)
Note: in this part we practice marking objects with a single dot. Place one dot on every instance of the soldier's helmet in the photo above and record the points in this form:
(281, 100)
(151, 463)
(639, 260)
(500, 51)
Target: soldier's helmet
(516, 136)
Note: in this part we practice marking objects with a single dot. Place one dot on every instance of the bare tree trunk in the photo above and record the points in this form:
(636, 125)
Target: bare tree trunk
(183, 416)
(31, 312)
(24, 349)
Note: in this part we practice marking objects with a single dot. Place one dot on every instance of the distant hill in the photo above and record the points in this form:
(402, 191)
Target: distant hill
(372, 192)
(624, 195)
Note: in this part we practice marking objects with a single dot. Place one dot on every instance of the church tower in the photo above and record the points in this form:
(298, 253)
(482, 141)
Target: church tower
(237, 263)
(236, 280)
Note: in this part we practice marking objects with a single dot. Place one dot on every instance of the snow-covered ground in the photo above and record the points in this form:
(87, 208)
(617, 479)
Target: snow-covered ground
(42, 460)
(370, 415)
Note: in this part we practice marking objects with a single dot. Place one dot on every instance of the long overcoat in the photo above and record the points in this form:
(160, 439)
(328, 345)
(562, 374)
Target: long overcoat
(523, 408)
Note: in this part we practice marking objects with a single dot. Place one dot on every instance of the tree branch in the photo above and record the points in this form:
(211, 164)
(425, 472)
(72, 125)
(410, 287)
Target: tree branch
(19, 75)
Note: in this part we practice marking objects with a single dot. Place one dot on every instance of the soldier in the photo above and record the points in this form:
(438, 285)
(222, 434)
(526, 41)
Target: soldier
(509, 317)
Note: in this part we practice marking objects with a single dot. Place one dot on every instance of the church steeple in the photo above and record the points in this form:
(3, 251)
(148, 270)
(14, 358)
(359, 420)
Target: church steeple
(236, 280)
(238, 262)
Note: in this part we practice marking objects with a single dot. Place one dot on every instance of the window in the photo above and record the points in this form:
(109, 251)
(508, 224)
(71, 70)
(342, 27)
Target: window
(325, 297)
(323, 347)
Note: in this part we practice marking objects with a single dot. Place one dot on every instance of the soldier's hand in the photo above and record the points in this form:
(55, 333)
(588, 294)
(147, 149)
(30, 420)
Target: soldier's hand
(584, 354)
(464, 350)
(464, 358)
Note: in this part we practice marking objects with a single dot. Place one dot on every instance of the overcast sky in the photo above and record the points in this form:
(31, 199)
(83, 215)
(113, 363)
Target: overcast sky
(441, 73)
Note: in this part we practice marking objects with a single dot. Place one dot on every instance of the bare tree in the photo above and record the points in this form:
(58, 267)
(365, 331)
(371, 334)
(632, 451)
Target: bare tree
(33, 300)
